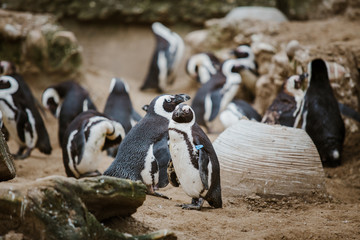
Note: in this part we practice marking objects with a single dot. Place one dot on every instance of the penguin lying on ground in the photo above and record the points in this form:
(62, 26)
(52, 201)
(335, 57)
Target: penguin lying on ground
(166, 58)
(202, 66)
(236, 110)
(194, 159)
(144, 154)
(213, 96)
(65, 101)
(21, 116)
(86, 136)
(321, 115)
(286, 108)
(119, 108)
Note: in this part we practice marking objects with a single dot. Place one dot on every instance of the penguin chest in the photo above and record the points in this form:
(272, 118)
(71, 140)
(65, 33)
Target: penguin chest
(187, 173)
(150, 172)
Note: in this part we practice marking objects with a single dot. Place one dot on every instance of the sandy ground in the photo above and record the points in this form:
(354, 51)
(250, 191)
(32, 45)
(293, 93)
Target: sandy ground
(121, 51)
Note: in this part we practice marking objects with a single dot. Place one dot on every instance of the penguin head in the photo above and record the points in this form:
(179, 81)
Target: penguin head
(51, 101)
(7, 68)
(230, 69)
(164, 105)
(8, 85)
(183, 113)
(318, 73)
(200, 66)
(118, 85)
(244, 51)
(294, 83)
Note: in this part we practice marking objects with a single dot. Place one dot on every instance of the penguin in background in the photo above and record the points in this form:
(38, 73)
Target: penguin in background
(86, 137)
(21, 116)
(202, 66)
(119, 108)
(194, 160)
(213, 96)
(286, 107)
(321, 115)
(236, 110)
(65, 101)
(144, 154)
(166, 58)
(7, 68)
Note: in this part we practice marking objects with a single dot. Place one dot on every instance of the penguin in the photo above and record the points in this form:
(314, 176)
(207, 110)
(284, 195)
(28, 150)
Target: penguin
(166, 58)
(213, 96)
(286, 107)
(144, 154)
(321, 117)
(249, 69)
(21, 116)
(65, 101)
(119, 108)
(194, 159)
(236, 110)
(202, 66)
(86, 136)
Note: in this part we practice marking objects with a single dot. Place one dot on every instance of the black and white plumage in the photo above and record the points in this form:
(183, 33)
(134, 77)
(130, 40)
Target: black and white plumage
(21, 116)
(119, 108)
(236, 110)
(321, 115)
(213, 96)
(287, 106)
(202, 66)
(194, 159)
(166, 58)
(86, 136)
(65, 101)
(144, 154)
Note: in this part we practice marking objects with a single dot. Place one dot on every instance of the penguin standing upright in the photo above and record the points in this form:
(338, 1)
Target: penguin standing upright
(144, 154)
(21, 116)
(166, 58)
(65, 101)
(194, 159)
(236, 110)
(202, 66)
(213, 96)
(86, 136)
(286, 108)
(119, 108)
(321, 115)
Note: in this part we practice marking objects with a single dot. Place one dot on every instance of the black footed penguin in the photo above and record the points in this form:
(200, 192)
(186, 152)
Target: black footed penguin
(286, 108)
(65, 101)
(213, 96)
(21, 116)
(236, 110)
(119, 108)
(321, 115)
(202, 66)
(144, 154)
(166, 58)
(194, 159)
(86, 136)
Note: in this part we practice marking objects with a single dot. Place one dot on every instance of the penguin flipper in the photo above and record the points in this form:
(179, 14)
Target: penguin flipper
(216, 100)
(172, 177)
(162, 156)
(203, 167)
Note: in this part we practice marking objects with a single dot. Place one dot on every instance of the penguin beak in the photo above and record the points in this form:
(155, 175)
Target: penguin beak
(179, 98)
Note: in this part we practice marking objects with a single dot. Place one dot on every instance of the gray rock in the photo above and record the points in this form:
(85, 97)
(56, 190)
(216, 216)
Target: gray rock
(255, 13)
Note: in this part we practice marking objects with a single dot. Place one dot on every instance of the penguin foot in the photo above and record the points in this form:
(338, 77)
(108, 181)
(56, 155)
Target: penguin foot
(156, 194)
(90, 174)
(20, 156)
(196, 204)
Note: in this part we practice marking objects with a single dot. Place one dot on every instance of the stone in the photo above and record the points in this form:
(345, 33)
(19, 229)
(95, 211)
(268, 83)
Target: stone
(255, 13)
(7, 167)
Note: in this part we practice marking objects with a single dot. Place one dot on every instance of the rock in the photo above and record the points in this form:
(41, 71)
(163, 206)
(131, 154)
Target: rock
(255, 13)
(7, 167)
(57, 207)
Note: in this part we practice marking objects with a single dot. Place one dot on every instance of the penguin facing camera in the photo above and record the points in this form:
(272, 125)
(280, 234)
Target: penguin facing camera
(21, 116)
(86, 136)
(321, 117)
(194, 160)
(144, 154)
(118, 107)
(65, 101)
(236, 110)
(166, 58)
(202, 66)
(213, 96)
(287, 106)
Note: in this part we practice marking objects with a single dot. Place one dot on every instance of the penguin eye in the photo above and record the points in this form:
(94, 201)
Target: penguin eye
(168, 100)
